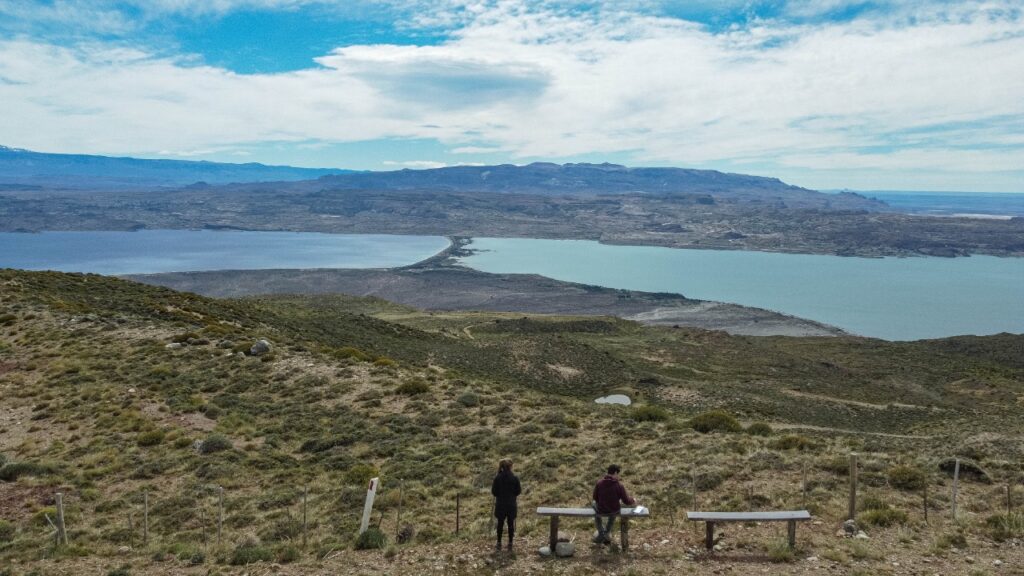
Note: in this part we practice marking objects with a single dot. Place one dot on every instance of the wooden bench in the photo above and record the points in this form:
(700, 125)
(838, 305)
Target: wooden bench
(790, 516)
(624, 516)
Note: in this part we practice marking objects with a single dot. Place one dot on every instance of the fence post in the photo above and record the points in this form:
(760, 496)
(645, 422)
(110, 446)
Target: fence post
(458, 510)
(220, 513)
(926, 500)
(1009, 501)
(803, 484)
(145, 518)
(853, 487)
(62, 533)
(956, 485)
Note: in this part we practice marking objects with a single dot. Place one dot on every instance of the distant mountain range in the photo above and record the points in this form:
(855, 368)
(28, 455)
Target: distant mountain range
(21, 169)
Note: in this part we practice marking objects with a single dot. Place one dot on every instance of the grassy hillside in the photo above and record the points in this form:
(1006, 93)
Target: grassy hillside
(113, 392)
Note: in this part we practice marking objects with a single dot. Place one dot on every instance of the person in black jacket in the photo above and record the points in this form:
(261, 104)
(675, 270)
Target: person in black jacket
(505, 489)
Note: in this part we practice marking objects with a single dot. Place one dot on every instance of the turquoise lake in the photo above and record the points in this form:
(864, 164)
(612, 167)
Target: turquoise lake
(890, 298)
(153, 251)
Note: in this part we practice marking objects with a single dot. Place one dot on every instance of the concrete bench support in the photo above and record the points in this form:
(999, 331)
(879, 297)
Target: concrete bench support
(556, 513)
(790, 517)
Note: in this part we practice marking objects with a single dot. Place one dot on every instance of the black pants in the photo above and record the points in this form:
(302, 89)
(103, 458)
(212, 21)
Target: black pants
(503, 518)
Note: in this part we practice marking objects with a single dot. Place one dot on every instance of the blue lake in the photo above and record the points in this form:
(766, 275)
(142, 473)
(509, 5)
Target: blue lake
(153, 251)
(890, 298)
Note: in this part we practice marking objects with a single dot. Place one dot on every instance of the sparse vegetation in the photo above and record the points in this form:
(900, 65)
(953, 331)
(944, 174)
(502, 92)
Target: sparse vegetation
(715, 421)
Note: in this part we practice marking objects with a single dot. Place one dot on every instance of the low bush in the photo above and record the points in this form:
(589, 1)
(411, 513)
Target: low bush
(11, 472)
(6, 531)
(1002, 526)
(385, 362)
(648, 413)
(759, 429)
(779, 551)
(468, 399)
(371, 539)
(793, 442)
(715, 421)
(215, 443)
(413, 387)
(884, 517)
(248, 553)
(906, 477)
(151, 438)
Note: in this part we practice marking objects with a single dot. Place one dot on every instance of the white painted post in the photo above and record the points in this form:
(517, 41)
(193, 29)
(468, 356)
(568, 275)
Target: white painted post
(371, 493)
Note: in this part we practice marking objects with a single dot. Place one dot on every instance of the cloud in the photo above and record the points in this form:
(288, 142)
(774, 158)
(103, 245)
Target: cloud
(940, 91)
(415, 164)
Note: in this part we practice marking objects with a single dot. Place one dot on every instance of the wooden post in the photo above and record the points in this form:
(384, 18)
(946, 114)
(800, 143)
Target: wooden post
(791, 532)
(62, 533)
(803, 485)
(1009, 501)
(145, 518)
(220, 513)
(202, 520)
(458, 510)
(624, 532)
(926, 501)
(709, 535)
(956, 484)
(553, 535)
(305, 494)
(853, 488)
(398, 517)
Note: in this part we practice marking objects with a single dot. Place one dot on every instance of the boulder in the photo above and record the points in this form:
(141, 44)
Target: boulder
(173, 346)
(565, 549)
(260, 348)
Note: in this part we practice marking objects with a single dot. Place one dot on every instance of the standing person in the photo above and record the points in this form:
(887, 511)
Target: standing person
(505, 489)
(609, 495)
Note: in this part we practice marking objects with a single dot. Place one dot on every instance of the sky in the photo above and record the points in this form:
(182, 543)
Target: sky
(826, 94)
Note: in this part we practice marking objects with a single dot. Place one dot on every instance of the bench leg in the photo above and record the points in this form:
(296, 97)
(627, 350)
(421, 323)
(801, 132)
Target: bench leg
(709, 536)
(792, 533)
(624, 532)
(553, 536)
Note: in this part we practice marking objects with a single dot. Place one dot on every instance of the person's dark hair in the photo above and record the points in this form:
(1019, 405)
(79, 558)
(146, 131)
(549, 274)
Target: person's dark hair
(505, 465)
(614, 469)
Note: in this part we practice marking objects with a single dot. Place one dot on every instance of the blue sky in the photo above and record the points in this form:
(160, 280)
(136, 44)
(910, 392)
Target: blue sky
(829, 94)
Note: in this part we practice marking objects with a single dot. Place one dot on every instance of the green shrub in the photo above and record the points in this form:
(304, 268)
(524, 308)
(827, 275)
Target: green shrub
(468, 399)
(714, 421)
(951, 539)
(884, 517)
(151, 438)
(215, 443)
(3, 460)
(414, 387)
(779, 551)
(759, 429)
(1003, 526)
(247, 553)
(6, 531)
(360, 474)
(350, 352)
(14, 470)
(122, 571)
(385, 362)
(287, 554)
(182, 442)
(906, 477)
(648, 413)
(792, 442)
(371, 539)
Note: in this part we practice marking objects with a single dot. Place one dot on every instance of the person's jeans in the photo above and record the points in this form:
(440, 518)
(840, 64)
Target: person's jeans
(604, 528)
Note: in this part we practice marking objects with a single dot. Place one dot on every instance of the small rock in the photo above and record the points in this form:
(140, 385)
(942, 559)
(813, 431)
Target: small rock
(565, 549)
(225, 344)
(812, 558)
(861, 536)
(850, 527)
(173, 346)
(997, 562)
(131, 390)
(123, 550)
(969, 559)
(663, 542)
(260, 348)
(544, 551)
(647, 547)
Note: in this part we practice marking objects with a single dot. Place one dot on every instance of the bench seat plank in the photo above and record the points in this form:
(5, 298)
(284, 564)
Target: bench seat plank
(748, 516)
(588, 512)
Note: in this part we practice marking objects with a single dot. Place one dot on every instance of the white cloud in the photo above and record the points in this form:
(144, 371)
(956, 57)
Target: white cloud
(541, 82)
(415, 164)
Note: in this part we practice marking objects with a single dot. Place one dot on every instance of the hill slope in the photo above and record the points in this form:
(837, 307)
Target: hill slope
(111, 390)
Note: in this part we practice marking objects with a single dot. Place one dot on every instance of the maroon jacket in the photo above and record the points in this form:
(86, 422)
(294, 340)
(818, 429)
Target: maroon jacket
(608, 493)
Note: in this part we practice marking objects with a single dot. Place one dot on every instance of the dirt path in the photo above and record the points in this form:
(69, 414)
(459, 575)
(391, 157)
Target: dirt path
(799, 394)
